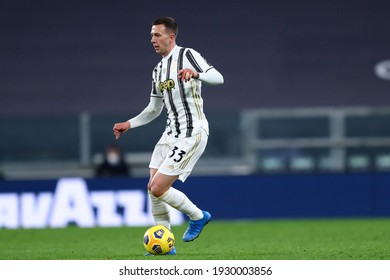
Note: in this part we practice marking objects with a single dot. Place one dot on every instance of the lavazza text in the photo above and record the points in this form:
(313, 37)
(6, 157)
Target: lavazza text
(73, 203)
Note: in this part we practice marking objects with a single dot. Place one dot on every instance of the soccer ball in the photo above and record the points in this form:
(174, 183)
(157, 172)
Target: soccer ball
(159, 240)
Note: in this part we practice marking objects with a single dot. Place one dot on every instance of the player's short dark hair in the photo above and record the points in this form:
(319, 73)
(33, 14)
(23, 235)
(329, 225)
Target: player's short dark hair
(169, 23)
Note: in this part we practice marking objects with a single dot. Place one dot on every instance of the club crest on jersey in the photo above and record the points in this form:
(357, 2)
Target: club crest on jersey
(166, 85)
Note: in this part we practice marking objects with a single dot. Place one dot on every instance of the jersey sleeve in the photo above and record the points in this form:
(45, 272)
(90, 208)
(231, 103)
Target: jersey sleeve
(152, 111)
(155, 106)
(207, 73)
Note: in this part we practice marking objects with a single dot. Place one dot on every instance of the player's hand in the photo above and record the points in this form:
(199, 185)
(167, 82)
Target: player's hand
(186, 74)
(120, 128)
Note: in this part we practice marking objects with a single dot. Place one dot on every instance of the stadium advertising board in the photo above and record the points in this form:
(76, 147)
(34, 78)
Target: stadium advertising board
(124, 202)
(72, 202)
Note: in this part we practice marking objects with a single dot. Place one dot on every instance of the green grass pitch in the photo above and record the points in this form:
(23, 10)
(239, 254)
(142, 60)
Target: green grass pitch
(338, 239)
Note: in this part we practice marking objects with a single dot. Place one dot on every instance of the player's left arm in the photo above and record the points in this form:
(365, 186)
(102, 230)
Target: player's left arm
(200, 69)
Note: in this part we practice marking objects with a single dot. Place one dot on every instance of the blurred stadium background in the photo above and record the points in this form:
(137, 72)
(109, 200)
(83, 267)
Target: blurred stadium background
(307, 87)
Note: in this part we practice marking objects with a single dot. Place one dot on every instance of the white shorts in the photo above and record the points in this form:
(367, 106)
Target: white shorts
(177, 156)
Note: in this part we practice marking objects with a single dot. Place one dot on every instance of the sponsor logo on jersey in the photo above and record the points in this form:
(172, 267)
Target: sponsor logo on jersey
(166, 85)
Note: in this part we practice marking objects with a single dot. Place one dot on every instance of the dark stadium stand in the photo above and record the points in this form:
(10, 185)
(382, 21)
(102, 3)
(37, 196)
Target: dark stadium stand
(63, 59)
(96, 56)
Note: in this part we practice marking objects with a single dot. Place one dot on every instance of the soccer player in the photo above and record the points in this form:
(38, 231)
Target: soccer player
(176, 84)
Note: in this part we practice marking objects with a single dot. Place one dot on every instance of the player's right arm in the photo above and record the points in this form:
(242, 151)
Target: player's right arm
(152, 111)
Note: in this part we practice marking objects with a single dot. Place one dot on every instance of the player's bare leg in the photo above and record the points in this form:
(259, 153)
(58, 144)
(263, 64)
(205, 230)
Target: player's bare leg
(160, 209)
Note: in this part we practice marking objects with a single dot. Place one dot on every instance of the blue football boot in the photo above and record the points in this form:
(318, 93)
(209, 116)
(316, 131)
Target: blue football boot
(195, 227)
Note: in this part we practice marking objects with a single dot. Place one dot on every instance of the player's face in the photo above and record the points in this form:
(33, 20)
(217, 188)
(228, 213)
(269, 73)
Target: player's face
(161, 40)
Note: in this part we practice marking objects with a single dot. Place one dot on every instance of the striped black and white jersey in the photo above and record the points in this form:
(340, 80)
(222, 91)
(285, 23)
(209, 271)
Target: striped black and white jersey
(183, 100)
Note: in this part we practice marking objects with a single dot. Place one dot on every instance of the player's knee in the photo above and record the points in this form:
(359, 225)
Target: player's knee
(156, 189)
